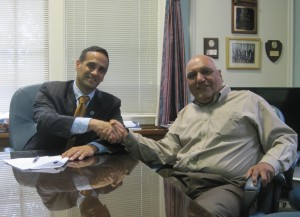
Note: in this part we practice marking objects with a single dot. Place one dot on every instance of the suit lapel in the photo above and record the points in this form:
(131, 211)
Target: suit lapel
(70, 99)
(94, 107)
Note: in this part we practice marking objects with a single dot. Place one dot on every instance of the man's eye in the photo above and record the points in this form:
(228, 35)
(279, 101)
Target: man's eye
(91, 65)
(206, 71)
(102, 70)
(191, 75)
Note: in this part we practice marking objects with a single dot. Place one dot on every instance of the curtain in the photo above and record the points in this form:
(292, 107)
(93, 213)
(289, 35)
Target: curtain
(173, 87)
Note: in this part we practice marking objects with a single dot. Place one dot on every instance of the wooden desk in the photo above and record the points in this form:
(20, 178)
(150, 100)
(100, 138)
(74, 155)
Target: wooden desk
(140, 192)
(4, 140)
(152, 132)
(148, 131)
(4, 135)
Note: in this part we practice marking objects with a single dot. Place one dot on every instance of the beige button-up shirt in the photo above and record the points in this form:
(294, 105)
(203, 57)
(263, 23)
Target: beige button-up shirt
(227, 137)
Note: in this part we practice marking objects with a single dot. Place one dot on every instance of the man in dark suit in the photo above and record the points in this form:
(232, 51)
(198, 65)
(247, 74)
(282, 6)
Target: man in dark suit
(58, 129)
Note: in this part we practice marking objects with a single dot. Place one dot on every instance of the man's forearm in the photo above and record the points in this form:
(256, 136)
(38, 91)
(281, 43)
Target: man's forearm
(98, 125)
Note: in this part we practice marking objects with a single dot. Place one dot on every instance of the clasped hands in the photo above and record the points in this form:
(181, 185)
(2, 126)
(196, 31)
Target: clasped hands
(113, 132)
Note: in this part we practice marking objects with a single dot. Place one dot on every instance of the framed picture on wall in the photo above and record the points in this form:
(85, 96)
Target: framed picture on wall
(211, 47)
(244, 18)
(243, 53)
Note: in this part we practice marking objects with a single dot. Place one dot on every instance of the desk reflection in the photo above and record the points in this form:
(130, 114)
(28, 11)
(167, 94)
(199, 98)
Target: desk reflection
(104, 185)
(81, 184)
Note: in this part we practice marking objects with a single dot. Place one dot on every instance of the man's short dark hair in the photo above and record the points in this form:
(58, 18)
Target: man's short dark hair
(95, 49)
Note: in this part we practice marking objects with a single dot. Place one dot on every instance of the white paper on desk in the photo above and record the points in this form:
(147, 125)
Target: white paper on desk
(133, 125)
(42, 163)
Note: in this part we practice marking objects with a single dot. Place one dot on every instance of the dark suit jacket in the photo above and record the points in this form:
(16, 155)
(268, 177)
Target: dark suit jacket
(53, 111)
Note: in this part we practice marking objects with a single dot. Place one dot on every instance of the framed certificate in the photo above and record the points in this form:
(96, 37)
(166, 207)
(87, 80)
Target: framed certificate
(244, 18)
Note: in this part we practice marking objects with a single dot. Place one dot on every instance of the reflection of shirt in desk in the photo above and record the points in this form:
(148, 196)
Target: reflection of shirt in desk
(68, 188)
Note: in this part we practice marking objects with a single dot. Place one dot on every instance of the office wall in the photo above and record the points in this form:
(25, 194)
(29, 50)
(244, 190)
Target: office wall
(275, 18)
(213, 19)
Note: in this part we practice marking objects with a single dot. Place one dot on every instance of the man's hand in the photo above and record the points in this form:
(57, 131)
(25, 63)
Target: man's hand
(264, 170)
(118, 132)
(80, 152)
(100, 127)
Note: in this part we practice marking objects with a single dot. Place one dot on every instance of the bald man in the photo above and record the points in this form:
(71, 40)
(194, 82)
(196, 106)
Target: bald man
(218, 141)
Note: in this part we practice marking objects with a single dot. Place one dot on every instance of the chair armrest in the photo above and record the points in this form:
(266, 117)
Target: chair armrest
(251, 187)
(267, 197)
(280, 178)
(250, 193)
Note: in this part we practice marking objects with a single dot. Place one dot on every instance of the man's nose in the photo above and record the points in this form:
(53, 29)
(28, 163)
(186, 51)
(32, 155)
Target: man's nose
(95, 71)
(200, 77)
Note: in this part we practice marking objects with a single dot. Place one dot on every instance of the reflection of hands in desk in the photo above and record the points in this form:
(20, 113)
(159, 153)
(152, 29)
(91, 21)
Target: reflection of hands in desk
(82, 183)
(83, 163)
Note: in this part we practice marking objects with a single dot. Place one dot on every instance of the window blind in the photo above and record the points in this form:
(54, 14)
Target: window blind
(128, 30)
(23, 46)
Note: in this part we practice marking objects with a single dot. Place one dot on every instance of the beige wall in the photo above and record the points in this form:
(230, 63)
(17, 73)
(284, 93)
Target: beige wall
(275, 18)
(211, 19)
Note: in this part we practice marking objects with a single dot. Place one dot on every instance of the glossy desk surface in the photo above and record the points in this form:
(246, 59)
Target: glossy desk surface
(104, 185)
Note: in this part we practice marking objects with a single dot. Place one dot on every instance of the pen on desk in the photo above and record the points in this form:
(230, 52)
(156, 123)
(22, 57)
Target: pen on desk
(36, 159)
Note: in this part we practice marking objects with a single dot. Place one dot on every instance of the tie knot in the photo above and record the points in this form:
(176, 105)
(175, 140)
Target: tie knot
(84, 99)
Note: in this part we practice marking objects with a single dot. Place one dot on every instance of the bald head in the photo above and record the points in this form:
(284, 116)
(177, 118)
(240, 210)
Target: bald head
(201, 59)
(204, 79)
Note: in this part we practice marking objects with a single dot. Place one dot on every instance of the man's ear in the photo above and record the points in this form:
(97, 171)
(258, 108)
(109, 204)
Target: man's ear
(220, 74)
(77, 63)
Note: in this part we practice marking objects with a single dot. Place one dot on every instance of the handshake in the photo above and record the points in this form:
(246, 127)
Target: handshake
(112, 131)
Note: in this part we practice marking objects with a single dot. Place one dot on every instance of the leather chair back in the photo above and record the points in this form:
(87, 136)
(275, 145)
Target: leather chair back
(21, 123)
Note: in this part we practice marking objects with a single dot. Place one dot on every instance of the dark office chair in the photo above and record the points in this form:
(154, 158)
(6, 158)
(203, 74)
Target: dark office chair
(21, 124)
(269, 198)
(294, 198)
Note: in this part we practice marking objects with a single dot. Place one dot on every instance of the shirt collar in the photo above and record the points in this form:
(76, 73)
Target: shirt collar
(224, 92)
(218, 97)
(78, 92)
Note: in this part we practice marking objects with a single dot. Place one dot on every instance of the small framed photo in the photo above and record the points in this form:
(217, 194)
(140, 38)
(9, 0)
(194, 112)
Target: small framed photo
(243, 53)
(244, 19)
(211, 47)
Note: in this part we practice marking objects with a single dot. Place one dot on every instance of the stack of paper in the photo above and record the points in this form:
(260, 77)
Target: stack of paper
(38, 163)
(133, 125)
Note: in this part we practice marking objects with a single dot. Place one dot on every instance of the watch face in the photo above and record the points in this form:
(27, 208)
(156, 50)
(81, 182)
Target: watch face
(211, 43)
